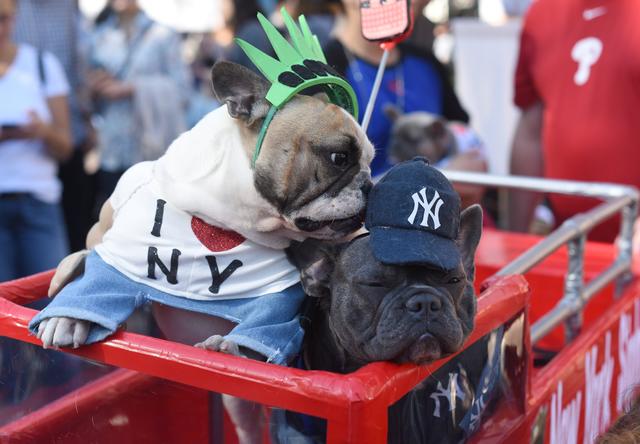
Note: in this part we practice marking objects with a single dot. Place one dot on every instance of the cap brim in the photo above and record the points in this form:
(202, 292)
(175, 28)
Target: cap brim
(399, 246)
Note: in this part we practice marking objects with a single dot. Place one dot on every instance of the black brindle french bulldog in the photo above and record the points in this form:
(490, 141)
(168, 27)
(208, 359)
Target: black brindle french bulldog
(402, 293)
(367, 311)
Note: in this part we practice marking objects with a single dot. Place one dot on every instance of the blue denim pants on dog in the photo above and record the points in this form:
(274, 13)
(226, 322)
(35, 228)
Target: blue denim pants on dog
(268, 324)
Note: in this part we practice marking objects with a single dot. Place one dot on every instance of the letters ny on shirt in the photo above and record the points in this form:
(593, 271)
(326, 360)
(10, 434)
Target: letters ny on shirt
(156, 243)
(171, 272)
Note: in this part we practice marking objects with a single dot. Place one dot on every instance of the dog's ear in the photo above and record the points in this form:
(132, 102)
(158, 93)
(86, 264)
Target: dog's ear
(323, 96)
(315, 260)
(437, 129)
(469, 237)
(392, 112)
(242, 90)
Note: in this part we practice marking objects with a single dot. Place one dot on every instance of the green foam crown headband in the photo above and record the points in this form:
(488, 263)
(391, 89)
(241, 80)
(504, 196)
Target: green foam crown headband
(301, 65)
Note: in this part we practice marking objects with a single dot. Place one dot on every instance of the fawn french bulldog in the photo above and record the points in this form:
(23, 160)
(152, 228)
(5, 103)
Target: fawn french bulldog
(204, 231)
(201, 232)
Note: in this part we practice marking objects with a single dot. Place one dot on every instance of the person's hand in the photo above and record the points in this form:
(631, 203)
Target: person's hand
(105, 86)
(10, 134)
(36, 128)
(95, 79)
(472, 161)
(114, 90)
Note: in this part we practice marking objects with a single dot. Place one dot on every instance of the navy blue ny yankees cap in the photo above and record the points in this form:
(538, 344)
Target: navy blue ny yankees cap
(413, 215)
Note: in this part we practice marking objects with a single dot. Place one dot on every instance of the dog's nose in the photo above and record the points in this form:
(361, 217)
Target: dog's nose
(423, 304)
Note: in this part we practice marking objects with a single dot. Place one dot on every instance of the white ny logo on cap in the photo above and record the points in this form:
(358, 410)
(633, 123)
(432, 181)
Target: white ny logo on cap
(420, 200)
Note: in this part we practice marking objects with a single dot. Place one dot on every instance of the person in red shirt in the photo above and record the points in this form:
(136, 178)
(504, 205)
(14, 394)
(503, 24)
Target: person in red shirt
(577, 84)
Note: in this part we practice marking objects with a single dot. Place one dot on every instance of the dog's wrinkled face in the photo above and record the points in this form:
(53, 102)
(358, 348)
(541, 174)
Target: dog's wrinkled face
(400, 313)
(314, 163)
(418, 134)
(315, 168)
(405, 313)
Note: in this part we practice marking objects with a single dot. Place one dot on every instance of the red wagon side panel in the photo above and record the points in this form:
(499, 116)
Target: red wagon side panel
(120, 408)
(355, 405)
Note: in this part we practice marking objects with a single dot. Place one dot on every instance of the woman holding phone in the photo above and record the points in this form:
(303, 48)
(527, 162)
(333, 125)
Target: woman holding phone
(34, 137)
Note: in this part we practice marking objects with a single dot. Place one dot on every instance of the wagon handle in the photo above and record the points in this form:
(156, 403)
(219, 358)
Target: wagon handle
(573, 232)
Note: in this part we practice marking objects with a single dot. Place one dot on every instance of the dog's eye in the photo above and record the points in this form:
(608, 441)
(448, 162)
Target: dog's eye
(339, 159)
(454, 280)
(373, 284)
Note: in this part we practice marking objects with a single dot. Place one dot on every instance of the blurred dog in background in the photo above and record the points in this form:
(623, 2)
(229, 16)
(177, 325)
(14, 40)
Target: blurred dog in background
(428, 135)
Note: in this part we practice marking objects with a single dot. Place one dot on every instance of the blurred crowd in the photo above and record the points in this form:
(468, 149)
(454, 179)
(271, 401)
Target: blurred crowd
(84, 99)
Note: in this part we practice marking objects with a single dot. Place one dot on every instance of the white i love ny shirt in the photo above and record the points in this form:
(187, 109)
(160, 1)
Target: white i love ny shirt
(156, 244)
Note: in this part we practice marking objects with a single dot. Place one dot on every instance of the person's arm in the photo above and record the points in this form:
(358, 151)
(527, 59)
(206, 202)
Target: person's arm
(57, 135)
(526, 160)
(472, 161)
(97, 82)
(102, 84)
(636, 238)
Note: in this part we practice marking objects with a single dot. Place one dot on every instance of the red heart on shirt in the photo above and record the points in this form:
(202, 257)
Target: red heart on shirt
(214, 238)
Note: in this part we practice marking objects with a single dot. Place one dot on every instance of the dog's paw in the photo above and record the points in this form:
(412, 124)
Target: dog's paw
(63, 332)
(220, 344)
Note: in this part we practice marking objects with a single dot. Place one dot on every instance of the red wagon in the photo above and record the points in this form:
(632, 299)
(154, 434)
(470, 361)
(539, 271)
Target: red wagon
(558, 319)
